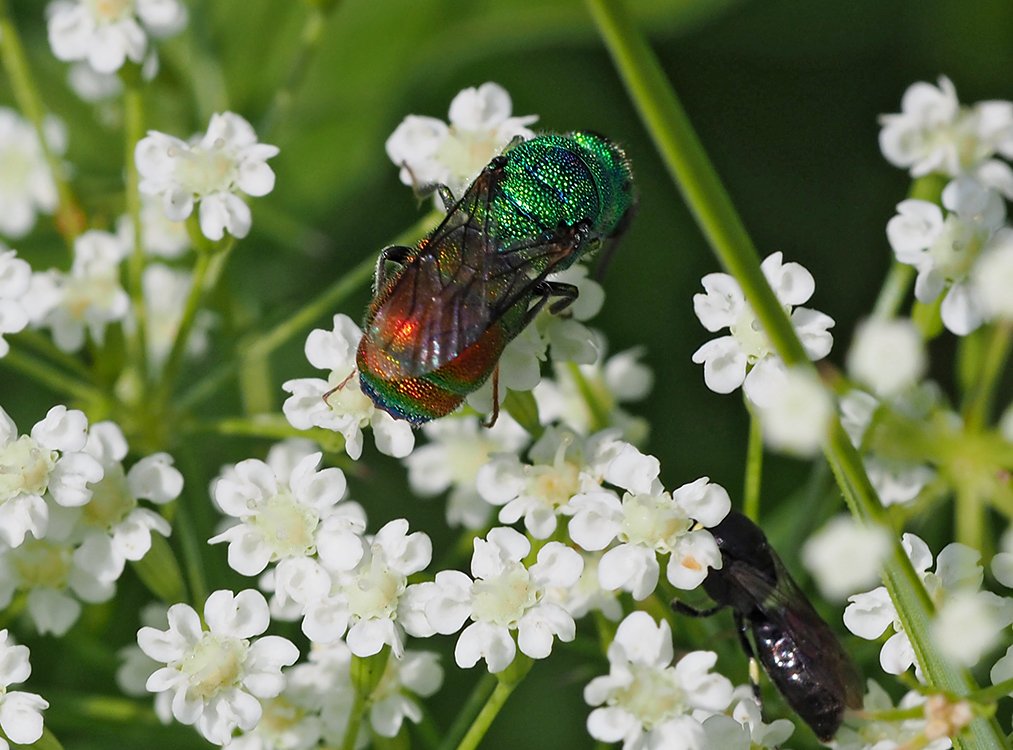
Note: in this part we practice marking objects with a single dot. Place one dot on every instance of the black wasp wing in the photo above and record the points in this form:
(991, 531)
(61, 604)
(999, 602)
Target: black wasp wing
(785, 605)
(460, 282)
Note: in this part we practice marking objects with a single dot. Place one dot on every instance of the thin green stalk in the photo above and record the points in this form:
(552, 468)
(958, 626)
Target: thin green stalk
(969, 521)
(691, 170)
(55, 379)
(599, 412)
(309, 44)
(978, 401)
(754, 469)
(45, 346)
(480, 695)
(268, 426)
(70, 220)
(133, 109)
(191, 552)
(690, 167)
(207, 271)
(507, 681)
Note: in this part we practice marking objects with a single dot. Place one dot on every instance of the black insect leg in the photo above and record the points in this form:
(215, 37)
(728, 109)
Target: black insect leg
(423, 191)
(567, 293)
(742, 627)
(685, 609)
(397, 254)
(495, 399)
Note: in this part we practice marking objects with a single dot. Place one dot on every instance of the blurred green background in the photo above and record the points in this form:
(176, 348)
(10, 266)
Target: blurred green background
(785, 96)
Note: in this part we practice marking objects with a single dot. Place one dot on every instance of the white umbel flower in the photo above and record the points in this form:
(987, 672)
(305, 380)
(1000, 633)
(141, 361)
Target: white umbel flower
(888, 356)
(797, 411)
(107, 33)
(845, 556)
(278, 519)
(645, 701)
(646, 522)
(367, 585)
(888, 734)
(934, 134)
(944, 249)
(88, 298)
(458, 448)
(114, 527)
(501, 597)
(561, 466)
(992, 277)
(745, 357)
(15, 277)
(20, 712)
(49, 462)
(429, 151)
(26, 184)
(166, 291)
(957, 578)
(348, 410)
(217, 675)
(212, 169)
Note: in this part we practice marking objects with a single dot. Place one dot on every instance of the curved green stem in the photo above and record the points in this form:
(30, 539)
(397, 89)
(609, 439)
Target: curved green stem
(55, 379)
(691, 169)
(978, 400)
(309, 44)
(754, 468)
(70, 220)
(507, 681)
(133, 107)
(480, 695)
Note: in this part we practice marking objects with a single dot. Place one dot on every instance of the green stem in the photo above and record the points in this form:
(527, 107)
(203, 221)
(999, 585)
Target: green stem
(191, 549)
(691, 170)
(70, 220)
(207, 271)
(599, 412)
(133, 108)
(894, 290)
(690, 167)
(480, 695)
(309, 44)
(754, 468)
(508, 680)
(269, 426)
(44, 345)
(50, 376)
(978, 400)
(993, 692)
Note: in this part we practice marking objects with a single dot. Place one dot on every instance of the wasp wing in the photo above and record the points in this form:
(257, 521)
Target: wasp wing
(459, 283)
(783, 603)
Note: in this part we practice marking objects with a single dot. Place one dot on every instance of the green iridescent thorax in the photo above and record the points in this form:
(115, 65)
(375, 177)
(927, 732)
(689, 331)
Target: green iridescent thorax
(555, 180)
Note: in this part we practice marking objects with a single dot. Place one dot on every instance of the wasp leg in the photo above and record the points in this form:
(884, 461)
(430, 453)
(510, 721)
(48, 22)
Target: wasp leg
(495, 399)
(337, 388)
(754, 671)
(397, 254)
(424, 190)
(685, 609)
(567, 293)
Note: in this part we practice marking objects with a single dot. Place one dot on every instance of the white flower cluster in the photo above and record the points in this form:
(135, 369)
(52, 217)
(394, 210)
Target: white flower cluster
(431, 152)
(15, 279)
(65, 485)
(965, 254)
(968, 620)
(26, 184)
(20, 712)
(646, 701)
(211, 169)
(795, 409)
(933, 133)
(874, 734)
(107, 34)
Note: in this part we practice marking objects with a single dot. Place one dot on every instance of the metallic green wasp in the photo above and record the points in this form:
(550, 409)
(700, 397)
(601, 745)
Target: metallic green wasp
(443, 311)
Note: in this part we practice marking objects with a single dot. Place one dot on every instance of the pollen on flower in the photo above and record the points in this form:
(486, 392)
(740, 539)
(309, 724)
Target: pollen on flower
(213, 665)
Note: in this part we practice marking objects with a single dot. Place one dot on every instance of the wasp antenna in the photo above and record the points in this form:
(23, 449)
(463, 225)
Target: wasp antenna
(338, 387)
